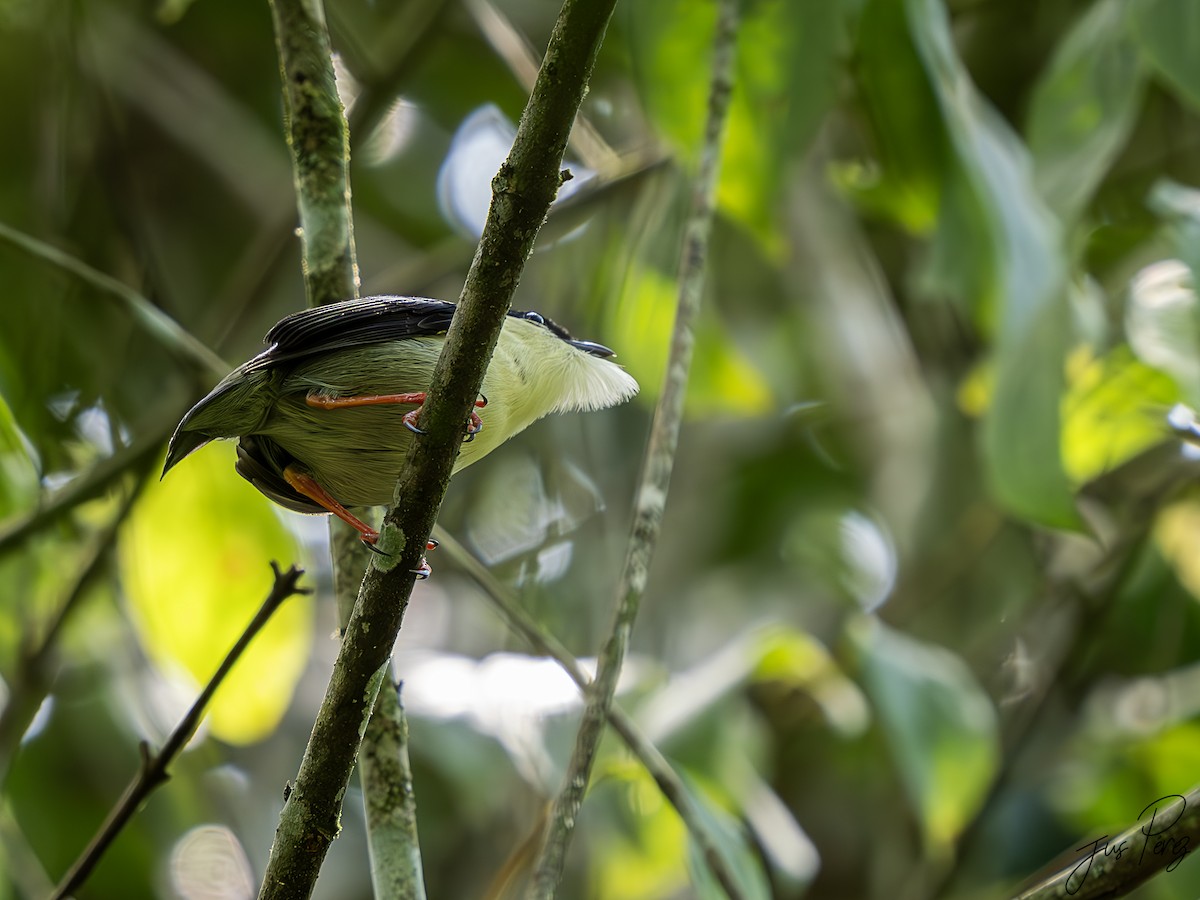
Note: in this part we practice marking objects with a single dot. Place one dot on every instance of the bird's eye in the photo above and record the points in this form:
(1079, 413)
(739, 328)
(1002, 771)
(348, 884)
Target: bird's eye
(535, 317)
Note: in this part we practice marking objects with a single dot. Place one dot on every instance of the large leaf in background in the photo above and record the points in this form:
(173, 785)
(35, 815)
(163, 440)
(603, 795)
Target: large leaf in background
(1025, 279)
(722, 378)
(731, 842)
(1084, 107)
(940, 724)
(194, 561)
(649, 865)
(786, 79)
(905, 124)
(1169, 34)
(1113, 410)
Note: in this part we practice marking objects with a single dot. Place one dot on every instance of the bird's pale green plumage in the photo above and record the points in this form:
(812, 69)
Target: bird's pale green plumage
(357, 453)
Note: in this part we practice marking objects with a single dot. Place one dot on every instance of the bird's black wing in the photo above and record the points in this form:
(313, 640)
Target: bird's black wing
(355, 323)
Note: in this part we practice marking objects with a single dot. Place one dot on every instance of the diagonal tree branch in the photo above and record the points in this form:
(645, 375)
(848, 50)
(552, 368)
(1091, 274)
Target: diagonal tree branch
(149, 316)
(522, 192)
(651, 758)
(153, 770)
(32, 682)
(656, 469)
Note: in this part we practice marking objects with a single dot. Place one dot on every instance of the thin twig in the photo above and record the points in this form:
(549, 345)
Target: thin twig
(651, 758)
(153, 319)
(405, 37)
(522, 192)
(656, 469)
(86, 486)
(587, 142)
(153, 769)
(31, 684)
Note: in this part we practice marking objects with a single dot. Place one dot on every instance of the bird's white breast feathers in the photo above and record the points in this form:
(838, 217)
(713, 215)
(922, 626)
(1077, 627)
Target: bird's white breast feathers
(556, 376)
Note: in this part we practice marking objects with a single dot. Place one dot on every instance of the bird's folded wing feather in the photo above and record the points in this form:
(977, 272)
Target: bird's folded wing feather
(340, 326)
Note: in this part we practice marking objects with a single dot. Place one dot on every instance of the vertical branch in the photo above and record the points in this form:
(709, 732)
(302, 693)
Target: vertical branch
(320, 145)
(153, 770)
(319, 139)
(391, 811)
(656, 469)
(522, 192)
(389, 802)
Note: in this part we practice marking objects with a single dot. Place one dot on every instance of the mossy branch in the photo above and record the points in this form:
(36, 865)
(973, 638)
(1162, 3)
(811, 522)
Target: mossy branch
(317, 135)
(522, 192)
(1112, 866)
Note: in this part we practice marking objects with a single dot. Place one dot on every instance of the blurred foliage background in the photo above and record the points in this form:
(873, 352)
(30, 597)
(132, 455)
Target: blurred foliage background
(925, 613)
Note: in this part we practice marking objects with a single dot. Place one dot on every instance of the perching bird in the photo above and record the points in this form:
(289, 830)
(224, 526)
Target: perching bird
(324, 415)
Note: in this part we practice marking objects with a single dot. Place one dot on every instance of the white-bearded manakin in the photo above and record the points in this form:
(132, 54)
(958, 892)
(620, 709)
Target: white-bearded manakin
(325, 415)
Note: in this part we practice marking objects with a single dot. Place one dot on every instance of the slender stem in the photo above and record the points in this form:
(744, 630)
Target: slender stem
(91, 483)
(522, 193)
(30, 686)
(651, 758)
(656, 469)
(153, 319)
(153, 770)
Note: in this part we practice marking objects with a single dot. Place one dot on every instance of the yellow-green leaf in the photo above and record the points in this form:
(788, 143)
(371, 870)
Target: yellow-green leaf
(194, 563)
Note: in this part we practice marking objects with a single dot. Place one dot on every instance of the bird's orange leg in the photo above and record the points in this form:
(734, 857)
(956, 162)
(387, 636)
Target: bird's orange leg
(324, 401)
(305, 484)
(308, 486)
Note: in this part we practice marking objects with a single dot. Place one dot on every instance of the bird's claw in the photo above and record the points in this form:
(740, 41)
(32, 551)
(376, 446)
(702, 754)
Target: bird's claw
(474, 425)
(369, 542)
(410, 421)
(423, 571)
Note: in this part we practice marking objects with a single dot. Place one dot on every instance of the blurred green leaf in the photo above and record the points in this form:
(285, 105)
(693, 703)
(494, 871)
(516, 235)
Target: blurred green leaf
(731, 840)
(1169, 34)
(19, 484)
(786, 81)
(910, 139)
(194, 557)
(799, 660)
(941, 727)
(1084, 107)
(1113, 409)
(722, 378)
(1024, 277)
(646, 861)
